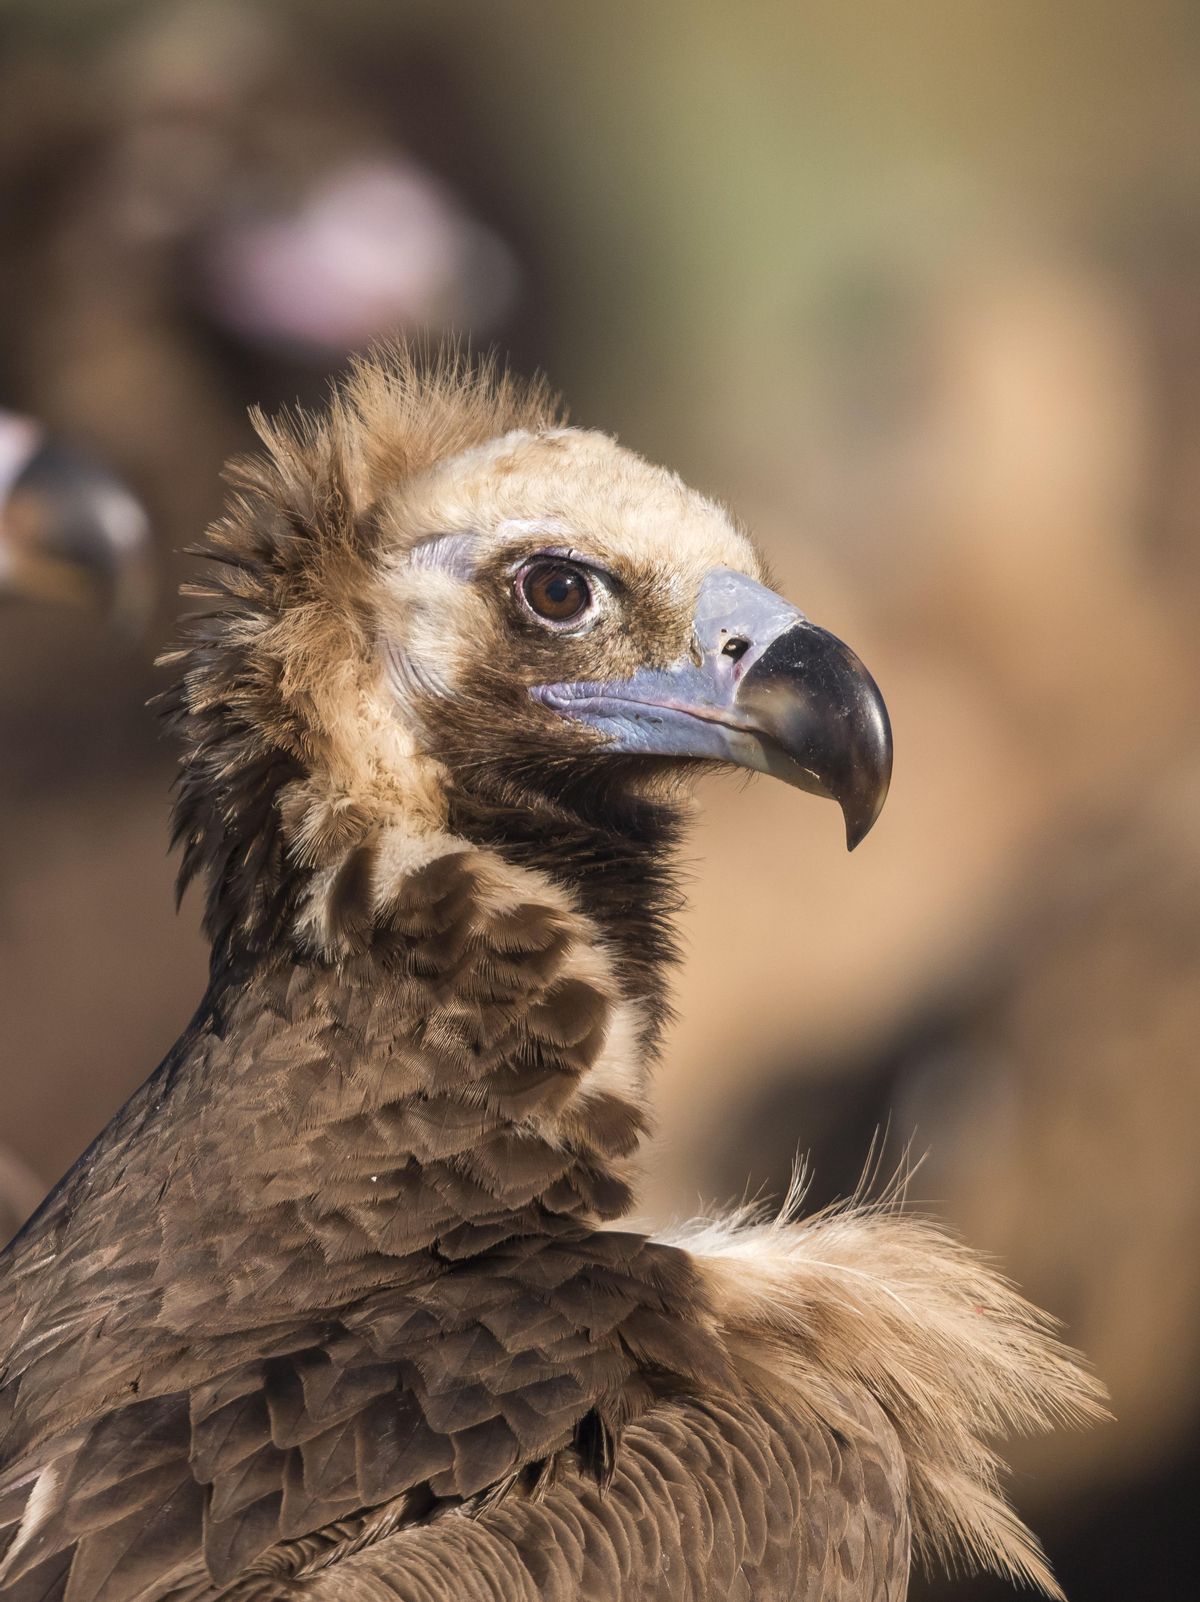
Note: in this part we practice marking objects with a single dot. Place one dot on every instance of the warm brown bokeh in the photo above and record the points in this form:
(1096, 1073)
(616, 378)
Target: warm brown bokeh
(915, 288)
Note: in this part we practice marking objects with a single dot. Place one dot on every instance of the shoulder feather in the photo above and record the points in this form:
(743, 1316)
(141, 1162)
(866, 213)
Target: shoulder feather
(865, 1298)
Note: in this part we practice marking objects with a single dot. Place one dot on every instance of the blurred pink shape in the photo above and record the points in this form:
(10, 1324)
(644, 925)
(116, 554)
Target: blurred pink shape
(374, 246)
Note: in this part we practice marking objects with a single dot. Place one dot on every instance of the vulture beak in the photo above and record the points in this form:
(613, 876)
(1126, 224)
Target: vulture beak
(69, 530)
(761, 688)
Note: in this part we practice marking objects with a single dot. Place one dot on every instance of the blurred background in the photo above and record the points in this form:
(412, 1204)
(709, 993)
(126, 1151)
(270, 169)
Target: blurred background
(915, 288)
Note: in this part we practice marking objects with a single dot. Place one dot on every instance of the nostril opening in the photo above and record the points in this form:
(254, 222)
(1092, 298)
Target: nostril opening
(735, 647)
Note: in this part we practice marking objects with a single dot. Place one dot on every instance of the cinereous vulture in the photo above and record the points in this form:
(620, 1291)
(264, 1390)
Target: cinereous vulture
(341, 1304)
(69, 530)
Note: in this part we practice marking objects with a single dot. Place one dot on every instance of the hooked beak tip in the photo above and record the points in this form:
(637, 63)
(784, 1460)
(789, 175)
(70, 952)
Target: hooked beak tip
(858, 823)
(811, 697)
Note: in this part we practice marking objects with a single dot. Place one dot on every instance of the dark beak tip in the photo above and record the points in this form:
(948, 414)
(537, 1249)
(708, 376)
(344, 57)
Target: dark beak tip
(812, 699)
(860, 824)
(862, 807)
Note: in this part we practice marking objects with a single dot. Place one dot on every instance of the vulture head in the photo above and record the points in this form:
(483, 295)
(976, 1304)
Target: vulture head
(560, 602)
(69, 530)
(439, 610)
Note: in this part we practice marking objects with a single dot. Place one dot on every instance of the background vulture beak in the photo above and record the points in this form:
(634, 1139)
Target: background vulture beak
(762, 688)
(69, 530)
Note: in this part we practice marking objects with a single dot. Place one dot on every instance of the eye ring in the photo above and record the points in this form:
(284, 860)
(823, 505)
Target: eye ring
(557, 593)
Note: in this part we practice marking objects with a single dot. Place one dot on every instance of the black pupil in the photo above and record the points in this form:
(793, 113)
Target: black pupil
(557, 592)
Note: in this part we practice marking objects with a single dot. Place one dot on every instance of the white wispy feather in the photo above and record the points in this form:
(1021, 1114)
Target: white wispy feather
(867, 1297)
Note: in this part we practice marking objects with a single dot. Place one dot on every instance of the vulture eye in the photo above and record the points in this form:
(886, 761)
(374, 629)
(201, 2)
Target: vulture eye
(557, 593)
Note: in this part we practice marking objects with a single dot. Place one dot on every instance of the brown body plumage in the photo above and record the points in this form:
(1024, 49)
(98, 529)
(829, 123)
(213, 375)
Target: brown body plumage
(340, 1303)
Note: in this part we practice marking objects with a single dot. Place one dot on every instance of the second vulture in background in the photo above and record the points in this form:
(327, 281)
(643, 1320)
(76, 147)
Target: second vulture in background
(69, 532)
(340, 1305)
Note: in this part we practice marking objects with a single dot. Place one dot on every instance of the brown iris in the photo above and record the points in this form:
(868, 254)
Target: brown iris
(557, 592)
